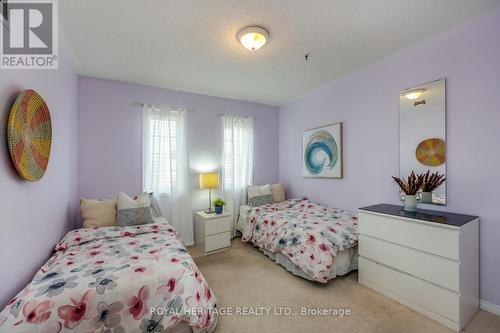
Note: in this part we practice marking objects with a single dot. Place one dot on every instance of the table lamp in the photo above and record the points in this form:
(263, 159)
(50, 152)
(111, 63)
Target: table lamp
(209, 181)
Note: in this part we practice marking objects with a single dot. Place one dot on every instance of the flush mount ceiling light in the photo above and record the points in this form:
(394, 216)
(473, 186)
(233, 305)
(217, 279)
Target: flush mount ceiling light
(253, 38)
(414, 93)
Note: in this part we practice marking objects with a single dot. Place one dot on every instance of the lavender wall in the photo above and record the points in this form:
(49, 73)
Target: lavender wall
(367, 102)
(35, 216)
(109, 135)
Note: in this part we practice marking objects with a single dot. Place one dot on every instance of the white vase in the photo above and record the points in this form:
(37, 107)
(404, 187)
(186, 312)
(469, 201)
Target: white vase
(427, 197)
(410, 203)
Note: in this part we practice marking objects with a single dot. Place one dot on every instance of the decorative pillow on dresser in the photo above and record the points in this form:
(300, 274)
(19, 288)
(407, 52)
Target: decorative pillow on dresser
(278, 192)
(259, 195)
(98, 213)
(133, 212)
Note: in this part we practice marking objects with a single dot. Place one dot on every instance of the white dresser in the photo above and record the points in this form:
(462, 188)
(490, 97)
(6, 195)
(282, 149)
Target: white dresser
(428, 261)
(212, 232)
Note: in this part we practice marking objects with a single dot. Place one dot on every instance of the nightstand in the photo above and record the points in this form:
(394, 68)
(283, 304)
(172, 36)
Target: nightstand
(212, 232)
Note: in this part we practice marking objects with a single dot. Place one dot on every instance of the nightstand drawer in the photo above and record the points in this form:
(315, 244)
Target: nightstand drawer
(216, 226)
(218, 241)
(212, 232)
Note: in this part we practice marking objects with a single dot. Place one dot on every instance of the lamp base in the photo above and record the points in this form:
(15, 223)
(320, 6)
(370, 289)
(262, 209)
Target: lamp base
(209, 210)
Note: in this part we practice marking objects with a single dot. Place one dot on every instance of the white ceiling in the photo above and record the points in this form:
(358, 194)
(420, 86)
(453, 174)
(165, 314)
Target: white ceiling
(191, 45)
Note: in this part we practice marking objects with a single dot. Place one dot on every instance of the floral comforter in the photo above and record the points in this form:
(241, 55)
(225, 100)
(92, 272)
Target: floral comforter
(310, 235)
(115, 280)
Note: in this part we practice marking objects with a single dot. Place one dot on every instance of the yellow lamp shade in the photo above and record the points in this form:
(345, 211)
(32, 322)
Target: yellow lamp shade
(209, 180)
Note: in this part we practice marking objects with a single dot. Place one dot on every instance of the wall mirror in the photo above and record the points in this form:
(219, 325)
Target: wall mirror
(422, 135)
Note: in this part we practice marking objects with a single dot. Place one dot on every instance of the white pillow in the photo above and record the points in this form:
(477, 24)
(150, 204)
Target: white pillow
(255, 191)
(155, 207)
(259, 195)
(133, 212)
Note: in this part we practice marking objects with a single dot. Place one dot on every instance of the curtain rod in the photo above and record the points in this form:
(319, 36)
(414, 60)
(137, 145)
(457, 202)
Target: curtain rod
(140, 104)
(237, 115)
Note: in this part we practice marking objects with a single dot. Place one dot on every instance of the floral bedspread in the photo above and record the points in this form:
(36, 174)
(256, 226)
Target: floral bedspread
(310, 235)
(115, 280)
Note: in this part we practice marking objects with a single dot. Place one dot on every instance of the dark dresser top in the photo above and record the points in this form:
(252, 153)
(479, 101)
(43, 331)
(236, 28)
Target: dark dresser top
(457, 220)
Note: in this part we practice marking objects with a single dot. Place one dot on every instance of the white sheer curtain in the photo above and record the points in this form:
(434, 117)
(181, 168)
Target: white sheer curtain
(237, 162)
(165, 165)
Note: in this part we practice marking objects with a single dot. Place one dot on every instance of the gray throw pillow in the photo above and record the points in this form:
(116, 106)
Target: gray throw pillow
(261, 200)
(259, 195)
(133, 212)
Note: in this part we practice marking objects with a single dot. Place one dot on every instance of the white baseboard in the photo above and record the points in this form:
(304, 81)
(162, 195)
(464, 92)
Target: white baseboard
(489, 307)
(191, 243)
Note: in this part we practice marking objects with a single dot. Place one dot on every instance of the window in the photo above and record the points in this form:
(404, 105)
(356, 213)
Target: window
(165, 166)
(164, 150)
(237, 161)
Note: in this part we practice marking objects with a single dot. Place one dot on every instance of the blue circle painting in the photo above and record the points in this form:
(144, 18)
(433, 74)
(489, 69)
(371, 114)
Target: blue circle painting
(321, 152)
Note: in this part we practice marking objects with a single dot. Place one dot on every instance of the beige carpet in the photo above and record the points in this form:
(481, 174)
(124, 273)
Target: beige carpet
(244, 277)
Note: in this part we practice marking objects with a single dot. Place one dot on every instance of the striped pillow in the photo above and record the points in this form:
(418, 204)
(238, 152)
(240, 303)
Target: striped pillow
(133, 212)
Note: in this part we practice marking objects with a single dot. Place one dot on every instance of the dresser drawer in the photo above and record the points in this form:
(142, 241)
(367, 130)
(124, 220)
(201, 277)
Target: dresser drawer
(415, 290)
(217, 226)
(218, 241)
(437, 240)
(439, 270)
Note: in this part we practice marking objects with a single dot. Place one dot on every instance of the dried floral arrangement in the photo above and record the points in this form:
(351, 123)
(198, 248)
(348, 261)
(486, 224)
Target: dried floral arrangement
(411, 185)
(432, 181)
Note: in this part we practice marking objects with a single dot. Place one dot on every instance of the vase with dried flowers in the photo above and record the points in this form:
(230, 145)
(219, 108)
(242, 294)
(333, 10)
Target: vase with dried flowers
(410, 187)
(431, 182)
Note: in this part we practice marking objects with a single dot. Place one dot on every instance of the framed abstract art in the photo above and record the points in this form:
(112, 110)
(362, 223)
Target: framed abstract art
(322, 152)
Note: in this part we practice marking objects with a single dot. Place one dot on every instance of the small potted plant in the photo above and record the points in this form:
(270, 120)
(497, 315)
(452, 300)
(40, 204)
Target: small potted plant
(431, 182)
(219, 205)
(410, 187)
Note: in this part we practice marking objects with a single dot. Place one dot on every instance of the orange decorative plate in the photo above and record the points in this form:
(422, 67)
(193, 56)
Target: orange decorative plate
(29, 135)
(431, 152)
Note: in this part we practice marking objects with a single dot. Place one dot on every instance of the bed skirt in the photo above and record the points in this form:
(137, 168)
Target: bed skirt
(343, 263)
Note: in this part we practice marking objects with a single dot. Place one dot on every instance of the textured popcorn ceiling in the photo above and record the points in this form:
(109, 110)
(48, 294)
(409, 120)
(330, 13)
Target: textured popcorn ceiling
(191, 45)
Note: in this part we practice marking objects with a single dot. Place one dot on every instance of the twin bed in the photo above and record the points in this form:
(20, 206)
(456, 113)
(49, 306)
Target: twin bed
(310, 240)
(142, 279)
(116, 280)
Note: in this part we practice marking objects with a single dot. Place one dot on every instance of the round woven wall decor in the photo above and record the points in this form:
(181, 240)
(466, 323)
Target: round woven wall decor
(29, 135)
(431, 152)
